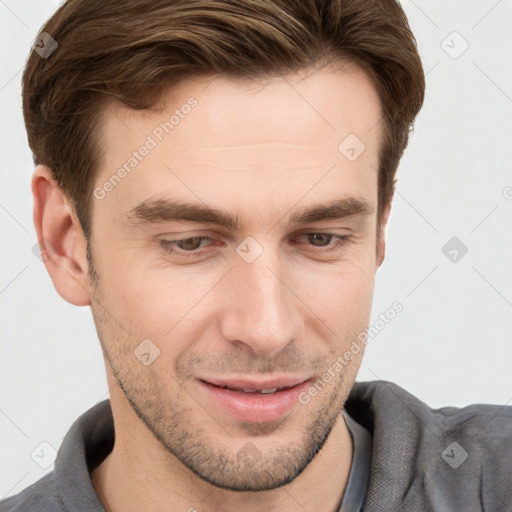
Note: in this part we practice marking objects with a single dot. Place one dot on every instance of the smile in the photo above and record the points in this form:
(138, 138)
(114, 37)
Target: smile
(253, 402)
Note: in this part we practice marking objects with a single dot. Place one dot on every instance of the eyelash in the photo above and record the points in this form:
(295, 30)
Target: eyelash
(169, 245)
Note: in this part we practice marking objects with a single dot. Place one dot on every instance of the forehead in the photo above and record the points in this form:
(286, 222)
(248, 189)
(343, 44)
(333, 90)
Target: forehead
(212, 134)
(337, 97)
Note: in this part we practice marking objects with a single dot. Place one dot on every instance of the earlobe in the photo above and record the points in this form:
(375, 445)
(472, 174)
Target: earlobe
(61, 240)
(381, 239)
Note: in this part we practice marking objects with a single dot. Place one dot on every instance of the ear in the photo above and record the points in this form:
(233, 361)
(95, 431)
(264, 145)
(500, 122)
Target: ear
(61, 241)
(381, 238)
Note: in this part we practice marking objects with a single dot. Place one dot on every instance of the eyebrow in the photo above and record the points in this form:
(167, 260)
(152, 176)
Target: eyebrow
(154, 211)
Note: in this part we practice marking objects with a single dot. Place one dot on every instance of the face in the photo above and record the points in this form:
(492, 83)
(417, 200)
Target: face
(238, 251)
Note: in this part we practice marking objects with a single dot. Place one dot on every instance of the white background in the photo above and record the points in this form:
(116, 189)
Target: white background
(451, 345)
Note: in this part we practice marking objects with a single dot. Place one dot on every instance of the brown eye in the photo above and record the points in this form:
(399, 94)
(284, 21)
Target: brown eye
(324, 241)
(186, 246)
(319, 239)
(190, 244)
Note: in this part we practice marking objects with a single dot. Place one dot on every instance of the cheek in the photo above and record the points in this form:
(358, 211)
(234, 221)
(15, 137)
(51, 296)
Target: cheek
(168, 307)
(341, 295)
(345, 310)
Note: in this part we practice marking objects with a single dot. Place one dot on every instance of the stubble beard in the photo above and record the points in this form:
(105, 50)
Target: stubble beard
(249, 469)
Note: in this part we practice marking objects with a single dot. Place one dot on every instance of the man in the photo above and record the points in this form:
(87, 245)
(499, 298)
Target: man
(214, 179)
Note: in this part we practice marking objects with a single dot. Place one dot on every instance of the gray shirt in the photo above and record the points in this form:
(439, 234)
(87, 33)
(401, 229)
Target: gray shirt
(420, 459)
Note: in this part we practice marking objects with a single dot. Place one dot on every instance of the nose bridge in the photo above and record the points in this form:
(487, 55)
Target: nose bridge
(261, 312)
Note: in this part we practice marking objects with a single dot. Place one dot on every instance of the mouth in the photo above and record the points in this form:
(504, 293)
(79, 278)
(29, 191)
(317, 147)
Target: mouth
(254, 401)
(262, 391)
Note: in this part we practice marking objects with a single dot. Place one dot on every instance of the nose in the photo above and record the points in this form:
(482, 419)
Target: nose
(261, 310)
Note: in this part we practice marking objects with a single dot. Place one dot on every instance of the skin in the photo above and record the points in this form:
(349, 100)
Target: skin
(259, 151)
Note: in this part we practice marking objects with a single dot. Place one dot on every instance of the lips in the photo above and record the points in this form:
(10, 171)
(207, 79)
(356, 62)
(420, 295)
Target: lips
(254, 400)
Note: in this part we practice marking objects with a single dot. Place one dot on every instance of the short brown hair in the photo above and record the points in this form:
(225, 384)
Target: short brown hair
(132, 50)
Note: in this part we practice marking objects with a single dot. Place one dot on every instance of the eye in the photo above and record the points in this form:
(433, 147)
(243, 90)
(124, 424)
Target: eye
(319, 239)
(184, 245)
(331, 241)
(197, 246)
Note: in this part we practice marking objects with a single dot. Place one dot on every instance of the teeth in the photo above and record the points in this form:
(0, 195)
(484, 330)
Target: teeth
(263, 391)
(250, 390)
